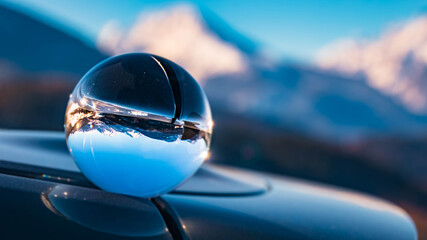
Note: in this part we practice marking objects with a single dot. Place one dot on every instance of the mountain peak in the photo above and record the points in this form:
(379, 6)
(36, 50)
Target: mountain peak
(181, 34)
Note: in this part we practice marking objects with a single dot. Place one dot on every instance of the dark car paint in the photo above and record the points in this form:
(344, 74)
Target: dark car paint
(52, 200)
(292, 210)
(28, 213)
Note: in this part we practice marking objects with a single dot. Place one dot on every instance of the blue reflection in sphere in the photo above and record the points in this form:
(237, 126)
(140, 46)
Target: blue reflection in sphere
(138, 124)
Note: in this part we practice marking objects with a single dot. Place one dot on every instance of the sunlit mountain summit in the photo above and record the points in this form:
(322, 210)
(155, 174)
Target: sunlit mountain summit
(180, 34)
(239, 79)
(395, 63)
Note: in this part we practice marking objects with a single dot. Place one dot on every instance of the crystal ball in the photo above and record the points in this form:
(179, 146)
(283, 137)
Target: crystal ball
(138, 124)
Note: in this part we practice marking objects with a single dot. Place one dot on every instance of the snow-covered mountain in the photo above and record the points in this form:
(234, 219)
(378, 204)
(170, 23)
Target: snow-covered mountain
(395, 63)
(179, 34)
(239, 79)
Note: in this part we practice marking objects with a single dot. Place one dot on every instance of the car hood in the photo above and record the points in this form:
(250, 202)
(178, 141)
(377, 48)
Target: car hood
(292, 209)
(44, 195)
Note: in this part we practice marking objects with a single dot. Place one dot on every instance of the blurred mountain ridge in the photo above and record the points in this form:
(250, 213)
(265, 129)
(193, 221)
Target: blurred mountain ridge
(37, 47)
(228, 33)
(306, 98)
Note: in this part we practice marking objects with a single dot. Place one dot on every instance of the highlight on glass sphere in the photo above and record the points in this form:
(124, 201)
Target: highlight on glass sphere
(138, 124)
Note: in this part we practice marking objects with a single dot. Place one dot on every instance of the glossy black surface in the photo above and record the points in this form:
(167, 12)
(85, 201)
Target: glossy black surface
(37, 209)
(108, 213)
(213, 180)
(216, 203)
(292, 210)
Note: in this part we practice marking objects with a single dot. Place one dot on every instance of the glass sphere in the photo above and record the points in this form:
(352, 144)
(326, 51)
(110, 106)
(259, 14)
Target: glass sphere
(138, 124)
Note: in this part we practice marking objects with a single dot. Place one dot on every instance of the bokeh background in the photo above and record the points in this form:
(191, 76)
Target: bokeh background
(331, 91)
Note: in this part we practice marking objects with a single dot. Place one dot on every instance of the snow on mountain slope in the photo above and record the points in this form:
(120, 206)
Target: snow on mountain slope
(395, 63)
(295, 97)
(179, 34)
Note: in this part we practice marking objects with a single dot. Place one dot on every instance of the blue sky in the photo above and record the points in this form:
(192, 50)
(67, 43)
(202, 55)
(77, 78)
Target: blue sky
(289, 29)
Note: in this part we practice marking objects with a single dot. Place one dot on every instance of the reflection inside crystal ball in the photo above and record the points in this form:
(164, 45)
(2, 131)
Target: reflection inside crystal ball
(138, 124)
